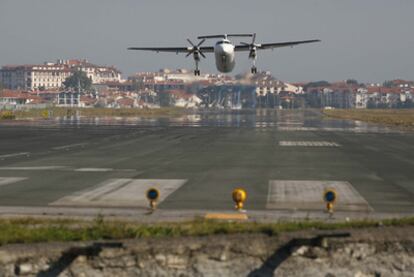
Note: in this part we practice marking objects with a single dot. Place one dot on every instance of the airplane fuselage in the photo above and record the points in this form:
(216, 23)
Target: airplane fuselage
(225, 57)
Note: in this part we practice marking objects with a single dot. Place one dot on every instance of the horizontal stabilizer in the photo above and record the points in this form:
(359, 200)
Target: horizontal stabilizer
(225, 36)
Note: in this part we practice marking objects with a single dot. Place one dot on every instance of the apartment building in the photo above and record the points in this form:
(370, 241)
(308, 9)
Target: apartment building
(52, 75)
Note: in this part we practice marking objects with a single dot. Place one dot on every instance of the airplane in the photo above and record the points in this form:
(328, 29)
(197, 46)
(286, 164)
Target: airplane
(224, 50)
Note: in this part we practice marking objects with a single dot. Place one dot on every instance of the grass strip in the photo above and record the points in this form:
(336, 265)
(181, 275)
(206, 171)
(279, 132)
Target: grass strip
(31, 230)
(98, 112)
(394, 117)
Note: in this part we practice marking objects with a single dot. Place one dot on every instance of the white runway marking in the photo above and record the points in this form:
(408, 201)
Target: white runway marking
(309, 143)
(14, 155)
(123, 192)
(92, 169)
(308, 195)
(65, 168)
(69, 146)
(10, 180)
(33, 167)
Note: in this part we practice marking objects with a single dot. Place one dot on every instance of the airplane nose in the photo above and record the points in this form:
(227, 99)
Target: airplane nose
(221, 49)
(224, 49)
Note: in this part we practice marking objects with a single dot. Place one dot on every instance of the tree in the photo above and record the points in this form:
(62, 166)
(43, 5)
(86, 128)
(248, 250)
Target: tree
(352, 82)
(316, 84)
(166, 99)
(388, 84)
(78, 78)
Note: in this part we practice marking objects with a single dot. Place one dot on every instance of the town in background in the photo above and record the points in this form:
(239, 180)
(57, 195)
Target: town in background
(79, 83)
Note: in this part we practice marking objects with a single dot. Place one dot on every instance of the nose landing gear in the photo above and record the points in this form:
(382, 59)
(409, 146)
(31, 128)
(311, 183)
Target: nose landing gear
(254, 70)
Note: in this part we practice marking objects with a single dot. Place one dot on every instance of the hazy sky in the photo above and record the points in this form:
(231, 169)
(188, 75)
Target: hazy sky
(370, 40)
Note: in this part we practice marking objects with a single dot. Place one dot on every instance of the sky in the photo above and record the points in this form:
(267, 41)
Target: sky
(367, 40)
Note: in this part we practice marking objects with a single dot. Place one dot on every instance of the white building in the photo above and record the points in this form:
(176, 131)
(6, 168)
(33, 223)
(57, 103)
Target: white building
(361, 98)
(52, 75)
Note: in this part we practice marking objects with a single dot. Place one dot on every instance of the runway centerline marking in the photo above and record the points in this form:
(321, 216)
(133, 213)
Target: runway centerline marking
(63, 147)
(65, 168)
(307, 195)
(23, 168)
(10, 180)
(309, 143)
(14, 155)
(93, 169)
(122, 192)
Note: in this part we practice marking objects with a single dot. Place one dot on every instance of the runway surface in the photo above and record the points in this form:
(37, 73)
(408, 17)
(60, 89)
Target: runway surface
(283, 159)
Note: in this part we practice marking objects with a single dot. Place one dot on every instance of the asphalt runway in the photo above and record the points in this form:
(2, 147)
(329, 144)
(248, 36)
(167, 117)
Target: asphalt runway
(283, 159)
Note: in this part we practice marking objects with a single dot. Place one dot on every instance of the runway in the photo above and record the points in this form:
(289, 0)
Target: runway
(283, 159)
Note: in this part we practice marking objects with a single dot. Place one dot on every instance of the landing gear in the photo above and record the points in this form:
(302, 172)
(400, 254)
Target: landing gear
(197, 60)
(196, 51)
(253, 57)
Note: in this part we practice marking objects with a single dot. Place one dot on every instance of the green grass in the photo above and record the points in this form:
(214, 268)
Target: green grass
(395, 117)
(29, 230)
(7, 115)
(98, 112)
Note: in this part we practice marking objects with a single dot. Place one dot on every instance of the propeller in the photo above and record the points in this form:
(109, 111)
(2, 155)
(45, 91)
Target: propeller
(195, 49)
(252, 46)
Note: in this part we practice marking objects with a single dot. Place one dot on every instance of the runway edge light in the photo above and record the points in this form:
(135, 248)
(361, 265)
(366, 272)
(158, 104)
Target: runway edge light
(152, 195)
(330, 197)
(239, 197)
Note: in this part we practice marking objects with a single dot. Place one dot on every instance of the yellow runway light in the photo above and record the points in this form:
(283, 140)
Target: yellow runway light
(239, 197)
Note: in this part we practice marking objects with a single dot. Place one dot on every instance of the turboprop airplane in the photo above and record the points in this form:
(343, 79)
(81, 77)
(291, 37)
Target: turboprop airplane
(223, 50)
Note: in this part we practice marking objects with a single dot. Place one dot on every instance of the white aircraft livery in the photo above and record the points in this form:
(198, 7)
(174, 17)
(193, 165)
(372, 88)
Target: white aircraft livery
(223, 50)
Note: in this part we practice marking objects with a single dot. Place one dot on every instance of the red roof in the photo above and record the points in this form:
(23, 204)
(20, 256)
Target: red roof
(17, 94)
(125, 102)
(383, 90)
(87, 99)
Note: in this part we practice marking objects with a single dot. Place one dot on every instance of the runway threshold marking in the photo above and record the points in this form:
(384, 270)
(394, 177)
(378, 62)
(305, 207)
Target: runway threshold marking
(10, 180)
(309, 143)
(123, 192)
(307, 195)
(14, 155)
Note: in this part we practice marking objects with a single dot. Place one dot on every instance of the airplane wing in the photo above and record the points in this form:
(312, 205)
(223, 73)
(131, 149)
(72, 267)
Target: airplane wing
(274, 45)
(177, 50)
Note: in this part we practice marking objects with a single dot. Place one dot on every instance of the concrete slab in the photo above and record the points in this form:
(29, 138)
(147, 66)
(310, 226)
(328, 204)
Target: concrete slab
(307, 195)
(224, 151)
(122, 192)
